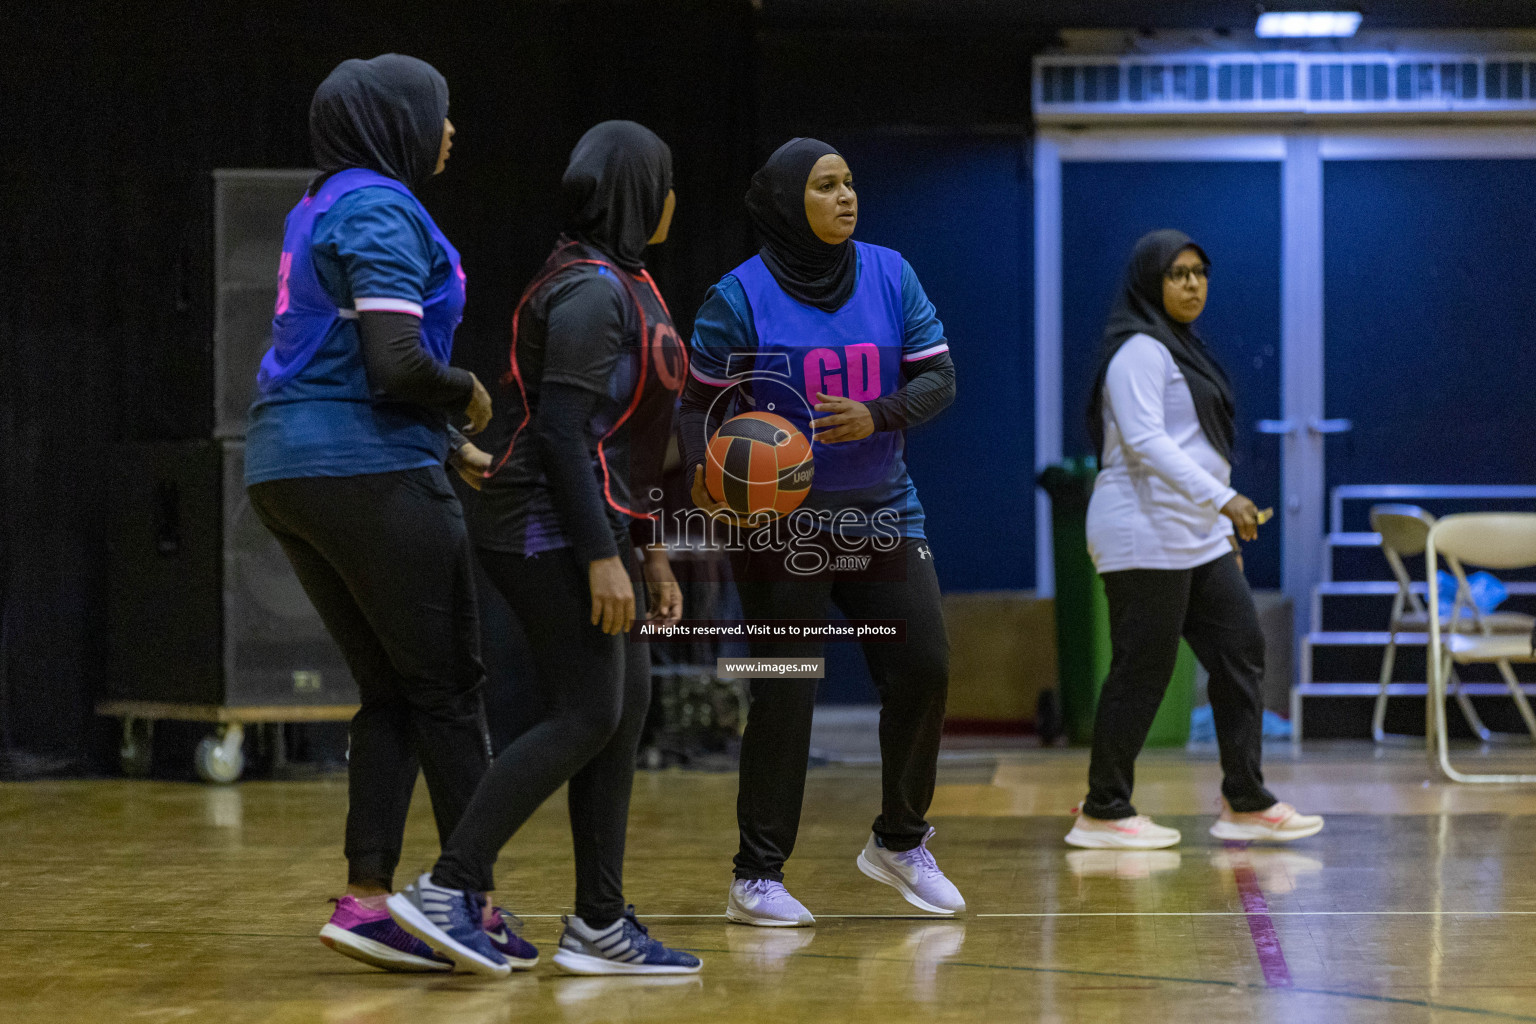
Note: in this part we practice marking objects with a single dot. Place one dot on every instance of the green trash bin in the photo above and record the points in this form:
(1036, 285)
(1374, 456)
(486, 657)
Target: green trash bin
(1082, 617)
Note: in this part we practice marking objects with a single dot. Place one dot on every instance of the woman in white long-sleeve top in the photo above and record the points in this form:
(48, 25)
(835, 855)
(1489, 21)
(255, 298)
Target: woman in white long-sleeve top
(1163, 525)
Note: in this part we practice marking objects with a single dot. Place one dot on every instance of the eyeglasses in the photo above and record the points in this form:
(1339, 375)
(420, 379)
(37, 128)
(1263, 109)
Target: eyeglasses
(1183, 275)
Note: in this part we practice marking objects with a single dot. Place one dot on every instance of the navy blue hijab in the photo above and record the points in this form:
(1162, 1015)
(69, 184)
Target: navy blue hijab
(384, 114)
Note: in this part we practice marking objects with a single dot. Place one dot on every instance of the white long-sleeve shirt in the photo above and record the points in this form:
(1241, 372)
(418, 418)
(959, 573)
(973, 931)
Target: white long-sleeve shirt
(1161, 486)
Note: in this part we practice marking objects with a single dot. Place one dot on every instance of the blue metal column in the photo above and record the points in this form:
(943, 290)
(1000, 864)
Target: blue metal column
(1048, 383)
(1301, 402)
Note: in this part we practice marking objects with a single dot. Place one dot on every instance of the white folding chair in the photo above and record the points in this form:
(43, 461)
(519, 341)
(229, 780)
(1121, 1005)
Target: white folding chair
(1493, 540)
(1404, 530)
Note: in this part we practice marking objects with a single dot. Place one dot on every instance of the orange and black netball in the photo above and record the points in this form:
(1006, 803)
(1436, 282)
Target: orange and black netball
(759, 462)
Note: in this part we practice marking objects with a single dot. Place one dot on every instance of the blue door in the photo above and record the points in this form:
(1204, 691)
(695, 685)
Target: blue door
(1430, 320)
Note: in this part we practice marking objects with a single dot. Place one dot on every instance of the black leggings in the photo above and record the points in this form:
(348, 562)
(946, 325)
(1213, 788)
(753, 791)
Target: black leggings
(912, 679)
(386, 561)
(1149, 609)
(597, 689)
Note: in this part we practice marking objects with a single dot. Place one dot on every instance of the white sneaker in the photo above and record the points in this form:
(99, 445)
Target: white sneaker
(913, 873)
(1135, 833)
(766, 904)
(1281, 823)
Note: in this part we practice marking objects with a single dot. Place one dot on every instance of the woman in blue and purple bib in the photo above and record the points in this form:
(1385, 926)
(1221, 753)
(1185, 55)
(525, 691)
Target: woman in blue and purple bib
(838, 337)
(353, 421)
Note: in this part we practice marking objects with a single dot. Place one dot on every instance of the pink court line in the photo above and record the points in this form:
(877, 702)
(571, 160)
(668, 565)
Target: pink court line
(1266, 943)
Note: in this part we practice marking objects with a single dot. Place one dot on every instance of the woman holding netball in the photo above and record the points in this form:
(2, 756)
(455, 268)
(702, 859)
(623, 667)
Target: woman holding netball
(590, 398)
(838, 338)
(344, 454)
(1161, 526)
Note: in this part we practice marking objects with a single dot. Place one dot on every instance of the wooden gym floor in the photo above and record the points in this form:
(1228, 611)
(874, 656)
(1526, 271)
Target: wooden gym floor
(126, 901)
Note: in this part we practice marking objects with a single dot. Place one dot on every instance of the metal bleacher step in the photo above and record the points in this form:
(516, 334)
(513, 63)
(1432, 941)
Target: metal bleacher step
(1342, 606)
(1343, 639)
(1359, 588)
(1363, 588)
(1354, 540)
(1364, 638)
(1353, 556)
(1403, 689)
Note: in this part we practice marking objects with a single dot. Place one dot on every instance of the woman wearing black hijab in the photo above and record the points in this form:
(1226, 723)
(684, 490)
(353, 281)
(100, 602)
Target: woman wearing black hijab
(838, 337)
(588, 410)
(1161, 533)
(344, 457)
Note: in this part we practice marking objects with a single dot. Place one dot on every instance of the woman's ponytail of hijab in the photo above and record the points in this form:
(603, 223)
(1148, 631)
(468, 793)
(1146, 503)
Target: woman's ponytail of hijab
(384, 114)
(810, 270)
(1138, 309)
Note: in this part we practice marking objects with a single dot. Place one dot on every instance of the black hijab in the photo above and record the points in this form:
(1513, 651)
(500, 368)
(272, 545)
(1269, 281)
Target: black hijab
(809, 269)
(615, 188)
(1138, 309)
(385, 114)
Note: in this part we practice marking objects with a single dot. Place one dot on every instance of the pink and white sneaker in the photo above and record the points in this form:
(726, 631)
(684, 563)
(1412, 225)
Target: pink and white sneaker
(1280, 823)
(1138, 832)
(372, 937)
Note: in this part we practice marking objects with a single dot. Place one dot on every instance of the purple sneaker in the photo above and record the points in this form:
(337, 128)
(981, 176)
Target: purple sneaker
(765, 903)
(373, 938)
(502, 928)
(913, 873)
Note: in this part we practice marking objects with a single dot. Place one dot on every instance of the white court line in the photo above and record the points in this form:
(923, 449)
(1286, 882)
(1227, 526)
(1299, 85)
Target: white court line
(915, 915)
(1110, 913)
(1279, 913)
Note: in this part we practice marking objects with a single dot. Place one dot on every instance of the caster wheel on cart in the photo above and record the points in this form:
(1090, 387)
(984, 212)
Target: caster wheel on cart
(219, 759)
(137, 749)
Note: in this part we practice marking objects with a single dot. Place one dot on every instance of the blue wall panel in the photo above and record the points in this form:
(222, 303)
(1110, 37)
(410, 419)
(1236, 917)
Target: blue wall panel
(1431, 320)
(960, 209)
(1233, 210)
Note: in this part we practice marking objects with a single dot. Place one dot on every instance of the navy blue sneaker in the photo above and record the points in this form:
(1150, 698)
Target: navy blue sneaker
(624, 947)
(502, 928)
(451, 921)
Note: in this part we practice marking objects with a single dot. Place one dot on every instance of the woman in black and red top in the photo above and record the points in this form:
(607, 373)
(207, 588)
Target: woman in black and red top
(588, 406)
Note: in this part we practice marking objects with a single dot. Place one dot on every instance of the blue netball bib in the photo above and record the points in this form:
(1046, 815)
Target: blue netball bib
(305, 313)
(854, 352)
(314, 413)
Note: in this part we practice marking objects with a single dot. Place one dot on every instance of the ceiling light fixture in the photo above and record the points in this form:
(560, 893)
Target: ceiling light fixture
(1307, 24)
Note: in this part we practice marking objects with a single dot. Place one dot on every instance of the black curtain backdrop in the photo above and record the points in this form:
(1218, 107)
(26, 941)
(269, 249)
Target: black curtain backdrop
(117, 114)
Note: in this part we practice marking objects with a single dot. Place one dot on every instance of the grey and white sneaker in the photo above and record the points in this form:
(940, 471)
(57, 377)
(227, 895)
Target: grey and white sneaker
(765, 903)
(913, 873)
(624, 947)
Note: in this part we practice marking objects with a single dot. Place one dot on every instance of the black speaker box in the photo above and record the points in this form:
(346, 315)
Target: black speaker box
(249, 210)
(204, 607)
